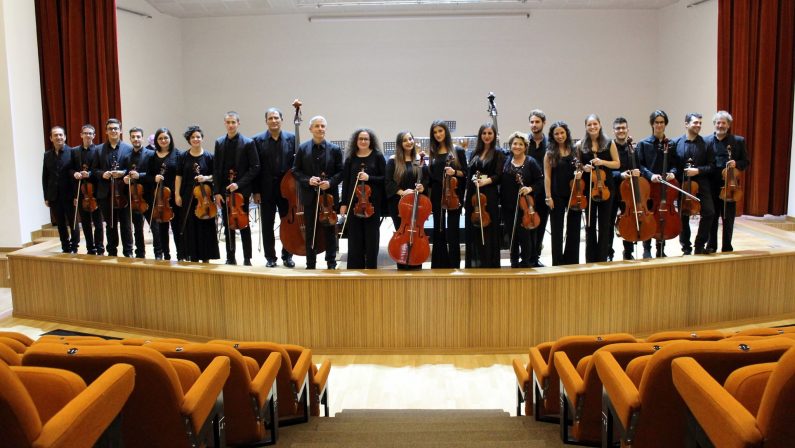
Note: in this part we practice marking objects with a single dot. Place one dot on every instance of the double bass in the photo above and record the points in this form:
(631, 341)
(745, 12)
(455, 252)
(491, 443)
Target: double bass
(664, 199)
(636, 222)
(292, 227)
(409, 244)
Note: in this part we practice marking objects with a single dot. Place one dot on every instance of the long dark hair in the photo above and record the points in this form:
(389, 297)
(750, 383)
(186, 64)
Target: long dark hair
(552, 145)
(448, 143)
(353, 147)
(603, 142)
(170, 138)
(480, 147)
(400, 156)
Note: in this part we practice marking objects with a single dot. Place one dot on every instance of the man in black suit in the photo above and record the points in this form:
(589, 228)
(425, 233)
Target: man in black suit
(719, 144)
(57, 188)
(237, 153)
(82, 159)
(276, 150)
(696, 163)
(136, 163)
(318, 169)
(107, 166)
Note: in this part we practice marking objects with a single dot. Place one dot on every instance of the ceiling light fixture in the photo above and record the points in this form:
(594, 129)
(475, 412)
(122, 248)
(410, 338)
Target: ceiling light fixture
(324, 4)
(429, 16)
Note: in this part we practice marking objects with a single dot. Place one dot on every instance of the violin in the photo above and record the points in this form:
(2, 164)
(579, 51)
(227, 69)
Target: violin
(326, 215)
(668, 223)
(732, 190)
(119, 200)
(235, 216)
(450, 200)
(137, 202)
(479, 217)
(205, 207)
(89, 202)
(599, 192)
(577, 200)
(161, 209)
(363, 208)
(409, 244)
(689, 206)
(530, 219)
(636, 222)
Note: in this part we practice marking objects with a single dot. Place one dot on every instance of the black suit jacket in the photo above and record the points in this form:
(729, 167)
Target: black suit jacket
(269, 174)
(246, 164)
(55, 175)
(703, 159)
(650, 157)
(141, 166)
(103, 161)
(304, 168)
(721, 156)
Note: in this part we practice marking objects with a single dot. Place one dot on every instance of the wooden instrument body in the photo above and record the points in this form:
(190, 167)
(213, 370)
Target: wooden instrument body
(635, 206)
(410, 245)
(292, 227)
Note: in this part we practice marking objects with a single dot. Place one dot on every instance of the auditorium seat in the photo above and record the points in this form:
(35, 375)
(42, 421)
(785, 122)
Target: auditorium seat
(765, 331)
(720, 413)
(9, 356)
(143, 341)
(581, 390)
(53, 408)
(702, 335)
(653, 414)
(292, 385)
(66, 339)
(249, 402)
(13, 344)
(318, 378)
(22, 338)
(541, 375)
(159, 412)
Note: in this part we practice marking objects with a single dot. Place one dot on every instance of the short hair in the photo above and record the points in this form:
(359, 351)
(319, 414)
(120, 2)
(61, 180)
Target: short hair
(316, 118)
(88, 126)
(136, 129)
(272, 110)
(689, 117)
(538, 113)
(113, 121)
(619, 120)
(191, 130)
(521, 136)
(658, 113)
(232, 114)
(722, 114)
(52, 129)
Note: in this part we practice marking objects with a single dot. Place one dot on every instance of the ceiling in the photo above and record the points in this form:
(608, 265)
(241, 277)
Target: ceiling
(221, 8)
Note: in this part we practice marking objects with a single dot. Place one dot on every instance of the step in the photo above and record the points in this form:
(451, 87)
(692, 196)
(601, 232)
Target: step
(418, 426)
(432, 444)
(420, 413)
(381, 438)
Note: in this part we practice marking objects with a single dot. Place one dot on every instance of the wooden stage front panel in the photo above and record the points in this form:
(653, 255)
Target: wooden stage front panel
(440, 311)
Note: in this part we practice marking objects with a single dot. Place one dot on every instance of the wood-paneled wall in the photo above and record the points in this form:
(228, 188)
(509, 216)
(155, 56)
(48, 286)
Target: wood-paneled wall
(388, 311)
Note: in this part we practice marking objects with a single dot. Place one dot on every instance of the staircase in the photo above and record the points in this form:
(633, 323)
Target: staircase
(421, 428)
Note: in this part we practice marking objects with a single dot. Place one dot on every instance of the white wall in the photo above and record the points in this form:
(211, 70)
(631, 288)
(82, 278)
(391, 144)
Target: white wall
(21, 142)
(791, 196)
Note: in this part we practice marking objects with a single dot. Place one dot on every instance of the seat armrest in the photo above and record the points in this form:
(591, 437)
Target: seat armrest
(83, 420)
(572, 383)
(262, 385)
(622, 392)
(321, 375)
(200, 399)
(522, 374)
(300, 370)
(725, 421)
(544, 348)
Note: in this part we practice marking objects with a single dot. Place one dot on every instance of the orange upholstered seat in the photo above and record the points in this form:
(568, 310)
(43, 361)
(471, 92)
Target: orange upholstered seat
(541, 369)
(158, 413)
(653, 414)
(22, 338)
(765, 331)
(318, 378)
(249, 403)
(723, 418)
(52, 408)
(13, 344)
(703, 335)
(144, 341)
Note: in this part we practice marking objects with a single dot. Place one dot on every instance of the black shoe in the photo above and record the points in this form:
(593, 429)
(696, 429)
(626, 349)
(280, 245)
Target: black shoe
(711, 250)
(166, 256)
(727, 249)
(514, 264)
(158, 257)
(247, 262)
(310, 266)
(661, 254)
(628, 256)
(231, 261)
(288, 262)
(536, 264)
(332, 265)
(91, 252)
(700, 251)
(270, 264)
(646, 254)
(688, 251)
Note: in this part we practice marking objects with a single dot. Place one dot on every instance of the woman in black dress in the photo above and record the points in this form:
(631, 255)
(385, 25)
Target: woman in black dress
(559, 171)
(485, 171)
(166, 155)
(199, 236)
(363, 161)
(446, 161)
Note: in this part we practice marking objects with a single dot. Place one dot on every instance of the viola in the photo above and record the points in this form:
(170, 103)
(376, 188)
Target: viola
(530, 219)
(161, 209)
(636, 222)
(577, 200)
(689, 206)
(731, 191)
(89, 202)
(119, 200)
(479, 216)
(599, 192)
(450, 200)
(326, 215)
(137, 202)
(205, 207)
(668, 223)
(409, 244)
(235, 216)
(363, 208)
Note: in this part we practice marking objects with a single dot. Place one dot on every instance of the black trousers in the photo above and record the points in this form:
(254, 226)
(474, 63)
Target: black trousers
(120, 222)
(523, 251)
(93, 230)
(363, 237)
(704, 225)
(327, 231)
(268, 207)
(446, 239)
(598, 235)
(570, 254)
(63, 213)
(245, 235)
(543, 214)
(727, 213)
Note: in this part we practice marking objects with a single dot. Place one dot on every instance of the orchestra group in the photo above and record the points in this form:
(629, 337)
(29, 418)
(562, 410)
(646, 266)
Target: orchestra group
(643, 191)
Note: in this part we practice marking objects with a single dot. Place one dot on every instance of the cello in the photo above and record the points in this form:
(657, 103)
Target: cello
(636, 222)
(409, 244)
(665, 214)
(292, 226)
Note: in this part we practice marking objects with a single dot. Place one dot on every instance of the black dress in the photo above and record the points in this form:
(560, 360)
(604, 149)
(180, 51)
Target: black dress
(524, 240)
(363, 232)
(446, 231)
(391, 187)
(484, 252)
(199, 237)
(600, 225)
(160, 229)
(562, 174)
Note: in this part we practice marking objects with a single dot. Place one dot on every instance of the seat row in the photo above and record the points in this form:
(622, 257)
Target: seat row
(190, 394)
(600, 389)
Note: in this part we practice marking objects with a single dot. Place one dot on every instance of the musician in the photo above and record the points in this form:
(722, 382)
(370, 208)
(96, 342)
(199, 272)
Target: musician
(559, 171)
(318, 170)
(137, 162)
(650, 156)
(169, 157)
(718, 144)
(199, 237)
(692, 150)
(107, 166)
(485, 171)
(620, 134)
(599, 154)
(445, 160)
(58, 189)
(363, 161)
(532, 181)
(82, 159)
(276, 152)
(537, 149)
(236, 153)
(402, 173)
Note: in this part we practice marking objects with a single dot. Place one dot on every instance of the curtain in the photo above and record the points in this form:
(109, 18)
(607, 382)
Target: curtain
(755, 84)
(79, 65)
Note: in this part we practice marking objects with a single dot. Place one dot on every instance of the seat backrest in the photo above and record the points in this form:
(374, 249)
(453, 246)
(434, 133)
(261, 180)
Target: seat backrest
(152, 413)
(9, 356)
(765, 331)
(24, 339)
(703, 335)
(778, 404)
(19, 421)
(13, 344)
(662, 418)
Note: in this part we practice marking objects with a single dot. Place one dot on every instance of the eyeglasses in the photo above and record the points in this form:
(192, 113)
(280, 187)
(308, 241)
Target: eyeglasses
(364, 139)
(114, 129)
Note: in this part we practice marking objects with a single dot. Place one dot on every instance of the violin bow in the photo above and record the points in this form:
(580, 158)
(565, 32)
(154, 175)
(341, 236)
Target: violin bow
(480, 211)
(77, 202)
(350, 203)
(317, 208)
(129, 196)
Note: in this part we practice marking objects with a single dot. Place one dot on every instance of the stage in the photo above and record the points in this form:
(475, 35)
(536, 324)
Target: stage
(428, 311)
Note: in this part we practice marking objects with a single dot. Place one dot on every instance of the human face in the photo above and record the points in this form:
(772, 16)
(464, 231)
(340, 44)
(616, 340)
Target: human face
(163, 141)
(137, 140)
(113, 131)
(196, 140)
(658, 126)
(318, 130)
(363, 141)
(694, 126)
(231, 124)
(722, 127)
(87, 136)
(560, 135)
(518, 147)
(408, 143)
(620, 131)
(536, 125)
(58, 138)
(439, 134)
(274, 122)
(487, 136)
(593, 127)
